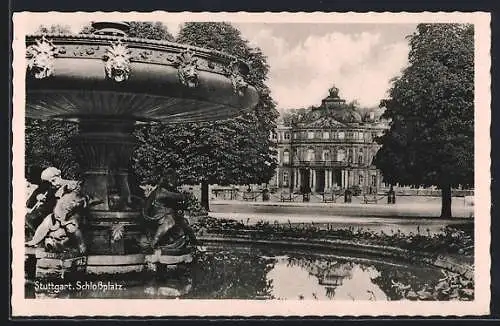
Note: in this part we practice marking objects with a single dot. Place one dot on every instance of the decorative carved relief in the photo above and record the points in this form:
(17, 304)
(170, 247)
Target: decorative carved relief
(237, 80)
(117, 62)
(41, 58)
(187, 69)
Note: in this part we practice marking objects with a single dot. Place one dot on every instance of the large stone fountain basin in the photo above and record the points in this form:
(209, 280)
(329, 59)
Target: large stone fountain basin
(78, 85)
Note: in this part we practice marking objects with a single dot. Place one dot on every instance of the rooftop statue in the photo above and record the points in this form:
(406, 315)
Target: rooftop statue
(334, 92)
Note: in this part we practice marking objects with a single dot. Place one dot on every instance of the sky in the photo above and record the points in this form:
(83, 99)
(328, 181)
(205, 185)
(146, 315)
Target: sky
(306, 59)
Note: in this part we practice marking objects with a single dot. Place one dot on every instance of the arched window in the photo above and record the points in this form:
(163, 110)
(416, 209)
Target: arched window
(340, 154)
(310, 155)
(286, 156)
(326, 155)
(285, 178)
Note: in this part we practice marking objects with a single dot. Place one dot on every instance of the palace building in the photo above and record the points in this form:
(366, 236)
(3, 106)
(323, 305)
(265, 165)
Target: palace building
(328, 148)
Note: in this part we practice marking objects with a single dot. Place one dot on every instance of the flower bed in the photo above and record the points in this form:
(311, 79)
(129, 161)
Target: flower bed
(451, 240)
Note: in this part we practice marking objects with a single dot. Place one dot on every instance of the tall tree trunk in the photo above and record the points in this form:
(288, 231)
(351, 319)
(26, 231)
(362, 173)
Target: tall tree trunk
(446, 201)
(204, 195)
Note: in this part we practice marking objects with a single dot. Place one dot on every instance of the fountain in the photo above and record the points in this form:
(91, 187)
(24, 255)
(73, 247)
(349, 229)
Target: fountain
(108, 83)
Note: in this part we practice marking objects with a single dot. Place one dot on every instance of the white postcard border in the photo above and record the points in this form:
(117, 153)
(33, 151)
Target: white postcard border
(158, 307)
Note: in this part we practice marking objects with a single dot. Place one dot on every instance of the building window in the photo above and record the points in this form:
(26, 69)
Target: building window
(326, 135)
(326, 155)
(287, 135)
(286, 156)
(286, 179)
(340, 155)
(349, 159)
(374, 180)
(310, 155)
(360, 156)
(341, 135)
(310, 135)
(361, 179)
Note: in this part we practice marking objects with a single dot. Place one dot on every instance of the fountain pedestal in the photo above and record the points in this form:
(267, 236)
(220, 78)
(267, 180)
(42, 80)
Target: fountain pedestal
(58, 265)
(104, 147)
(114, 228)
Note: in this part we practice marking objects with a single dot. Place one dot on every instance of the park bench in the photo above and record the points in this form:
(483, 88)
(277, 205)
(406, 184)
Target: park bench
(370, 199)
(329, 197)
(286, 196)
(249, 195)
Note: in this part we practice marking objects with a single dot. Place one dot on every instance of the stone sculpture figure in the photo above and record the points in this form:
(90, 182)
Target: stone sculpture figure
(187, 66)
(164, 207)
(62, 226)
(39, 204)
(117, 60)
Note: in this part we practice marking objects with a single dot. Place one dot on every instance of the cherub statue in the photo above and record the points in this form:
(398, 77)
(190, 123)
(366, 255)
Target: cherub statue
(40, 203)
(164, 207)
(63, 224)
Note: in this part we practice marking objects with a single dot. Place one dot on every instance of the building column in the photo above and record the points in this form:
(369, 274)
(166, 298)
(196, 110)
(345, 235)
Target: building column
(297, 174)
(327, 173)
(342, 180)
(313, 187)
(293, 177)
(310, 178)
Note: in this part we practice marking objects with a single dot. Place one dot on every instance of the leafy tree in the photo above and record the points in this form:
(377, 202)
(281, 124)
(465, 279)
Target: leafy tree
(431, 106)
(48, 144)
(233, 151)
(149, 30)
(54, 29)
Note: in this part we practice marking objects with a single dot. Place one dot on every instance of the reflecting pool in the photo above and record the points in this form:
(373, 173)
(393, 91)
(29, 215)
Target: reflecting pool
(254, 273)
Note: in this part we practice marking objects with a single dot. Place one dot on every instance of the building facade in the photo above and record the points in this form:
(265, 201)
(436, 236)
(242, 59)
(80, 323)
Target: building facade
(329, 148)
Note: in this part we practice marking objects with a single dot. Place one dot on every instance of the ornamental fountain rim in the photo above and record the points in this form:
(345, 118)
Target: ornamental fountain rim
(70, 37)
(174, 74)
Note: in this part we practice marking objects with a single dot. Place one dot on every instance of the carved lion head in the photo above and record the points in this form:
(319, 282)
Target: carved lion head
(118, 62)
(41, 58)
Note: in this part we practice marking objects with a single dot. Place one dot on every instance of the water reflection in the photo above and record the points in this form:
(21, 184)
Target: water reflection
(295, 278)
(248, 273)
